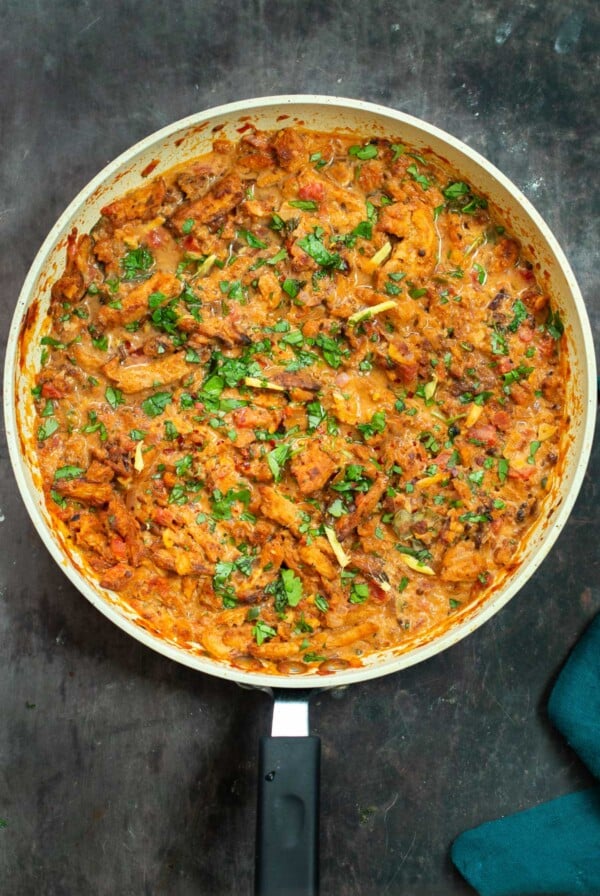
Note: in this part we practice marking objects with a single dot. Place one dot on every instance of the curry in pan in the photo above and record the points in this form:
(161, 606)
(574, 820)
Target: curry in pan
(300, 399)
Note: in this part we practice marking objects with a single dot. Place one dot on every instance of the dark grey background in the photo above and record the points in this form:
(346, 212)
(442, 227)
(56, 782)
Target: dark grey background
(123, 773)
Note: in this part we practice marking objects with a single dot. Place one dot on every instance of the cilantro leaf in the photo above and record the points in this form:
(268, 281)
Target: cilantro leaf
(262, 632)
(376, 425)
(136, 262)
(252, 240)
(68, 472)
(156, 404)
(313, 246)
(114, 397)
(368, 151)
(277, 458)
(554, 325)
(420, 179)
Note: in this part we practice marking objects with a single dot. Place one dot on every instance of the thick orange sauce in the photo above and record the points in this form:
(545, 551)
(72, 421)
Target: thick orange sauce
(301, 399)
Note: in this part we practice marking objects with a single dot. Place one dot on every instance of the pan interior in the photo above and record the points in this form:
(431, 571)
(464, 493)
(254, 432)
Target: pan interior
(192, 137)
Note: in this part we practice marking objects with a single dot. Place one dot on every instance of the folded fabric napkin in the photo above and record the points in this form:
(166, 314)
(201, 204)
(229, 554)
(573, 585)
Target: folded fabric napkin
(574, 704)
(553, 848)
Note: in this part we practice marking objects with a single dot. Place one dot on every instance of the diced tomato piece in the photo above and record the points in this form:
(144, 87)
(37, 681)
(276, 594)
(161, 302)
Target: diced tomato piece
(443, 458)
(163, 516)
(504, 365)
(525, 334)
(191, 244)
(50, 391)
(377, 593)
(156, 237)
(501, 420)
(485, 433)
(523, 473)
(118, 547)
(313, 190)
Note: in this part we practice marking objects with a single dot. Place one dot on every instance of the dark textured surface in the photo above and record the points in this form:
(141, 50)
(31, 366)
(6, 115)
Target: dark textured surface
(123, 773)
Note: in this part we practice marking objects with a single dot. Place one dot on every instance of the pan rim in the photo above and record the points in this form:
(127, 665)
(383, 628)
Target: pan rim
(400, 660)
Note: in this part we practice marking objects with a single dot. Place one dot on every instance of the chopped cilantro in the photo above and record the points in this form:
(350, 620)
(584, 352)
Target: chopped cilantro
(520, 314)
(136, 262)
(171, 432)
(156, 404)
(359, 592)
(554, 325)
(307, 205)
(313, 246)
(68, 472)
(114, 397)
(253, 241)
(376, 425)
(368, 151)
(333, 350)
(47, 429)
(321, 603)
(316, 413)
(221, 505)
(277, 458)
(421, 179)
(292, 287)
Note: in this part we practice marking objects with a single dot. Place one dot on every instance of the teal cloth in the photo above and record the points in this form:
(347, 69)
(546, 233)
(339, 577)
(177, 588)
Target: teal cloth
(574, 705)
(551, 849)
(554, 848)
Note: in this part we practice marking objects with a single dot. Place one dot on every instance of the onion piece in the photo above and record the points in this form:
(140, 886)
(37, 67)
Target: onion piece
(366, 313)
(262, 384)
(205, 268)
(381, 255)
(341, 555)
(138, 460)
(416, 565)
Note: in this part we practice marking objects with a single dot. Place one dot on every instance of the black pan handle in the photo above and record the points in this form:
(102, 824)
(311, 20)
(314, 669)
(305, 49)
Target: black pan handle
(287, 830)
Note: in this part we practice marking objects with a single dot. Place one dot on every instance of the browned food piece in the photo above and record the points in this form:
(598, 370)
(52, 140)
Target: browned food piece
(373, 567)
(289, 147)
(344, 636)
(141, 204)
(316, 556)
(506, 254)
(196, 181)
(365, 505)
(265, 571)
(93, 493)
(371, 175)
(280, 509)
(248, 419)
(274, 650)
(78, 273)
(87, 357)
(300, 380)
(132, 378)
(134, 305)
(221, 199)
(91, 534)
(312, 468)
(462, 563)
(123, 522)
(228, 331)
(99, 472)
(117, 577)
(395, 219)
(184, 563)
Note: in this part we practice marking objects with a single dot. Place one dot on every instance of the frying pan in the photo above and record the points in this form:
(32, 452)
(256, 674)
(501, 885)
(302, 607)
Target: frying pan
(287, 828)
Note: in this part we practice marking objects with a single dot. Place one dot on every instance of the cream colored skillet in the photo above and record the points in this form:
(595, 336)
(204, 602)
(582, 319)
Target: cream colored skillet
(287, 827)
